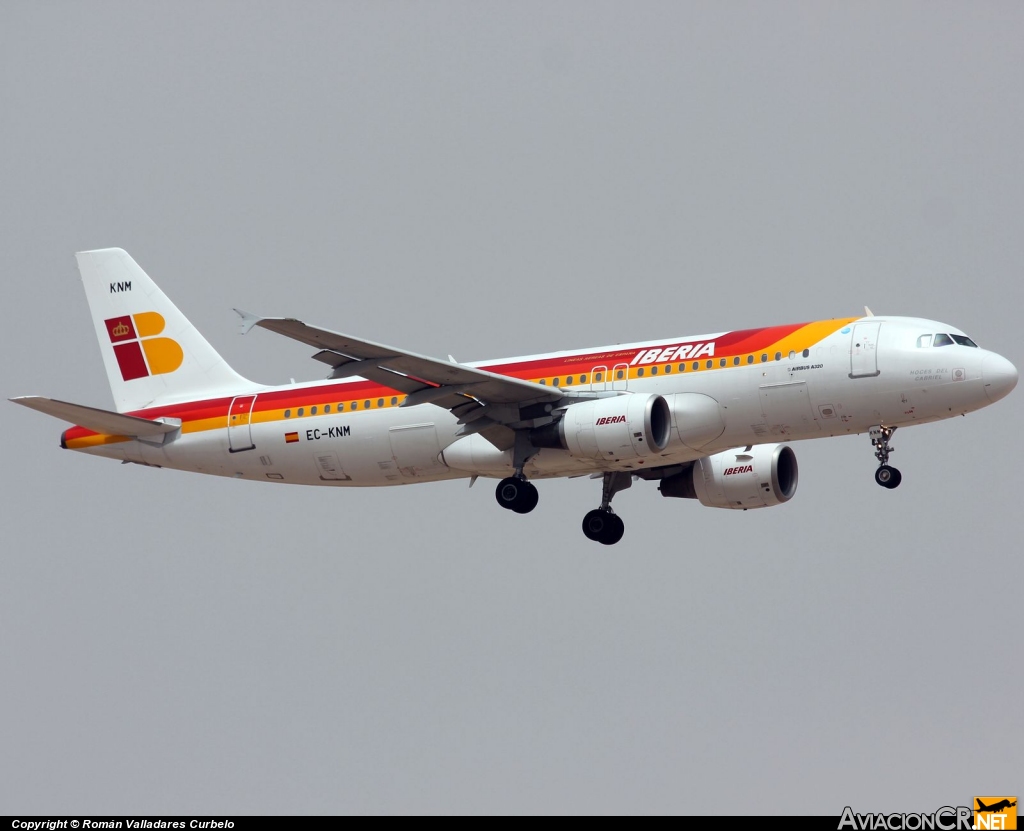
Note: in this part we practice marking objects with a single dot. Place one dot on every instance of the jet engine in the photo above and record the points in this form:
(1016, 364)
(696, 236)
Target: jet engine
(631, 426)
(754, 477)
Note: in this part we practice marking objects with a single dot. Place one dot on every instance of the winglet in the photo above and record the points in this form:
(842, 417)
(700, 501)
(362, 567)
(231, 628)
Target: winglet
(248, 321)
(868, 312)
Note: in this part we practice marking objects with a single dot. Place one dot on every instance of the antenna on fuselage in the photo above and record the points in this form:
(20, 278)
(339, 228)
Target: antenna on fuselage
(868, 312)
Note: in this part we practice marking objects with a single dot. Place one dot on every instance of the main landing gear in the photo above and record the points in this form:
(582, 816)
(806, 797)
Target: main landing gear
(517, 494)
(601, 524)
(886, 476)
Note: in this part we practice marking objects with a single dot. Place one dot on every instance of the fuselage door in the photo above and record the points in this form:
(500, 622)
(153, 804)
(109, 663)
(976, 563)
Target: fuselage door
(239, 423)
(864, 350)
(599, 378)
(620, 376)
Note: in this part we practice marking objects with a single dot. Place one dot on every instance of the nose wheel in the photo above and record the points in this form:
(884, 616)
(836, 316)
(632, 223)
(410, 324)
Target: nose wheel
(517, 494)
(886, 475)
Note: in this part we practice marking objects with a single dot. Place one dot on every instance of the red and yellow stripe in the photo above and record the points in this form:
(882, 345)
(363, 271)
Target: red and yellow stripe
(355, 396)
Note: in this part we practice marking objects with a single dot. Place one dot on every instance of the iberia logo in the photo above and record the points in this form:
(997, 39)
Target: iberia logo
(139, 352)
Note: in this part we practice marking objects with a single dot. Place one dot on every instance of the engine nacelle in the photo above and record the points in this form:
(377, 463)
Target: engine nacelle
(631, 426)
(760, 477)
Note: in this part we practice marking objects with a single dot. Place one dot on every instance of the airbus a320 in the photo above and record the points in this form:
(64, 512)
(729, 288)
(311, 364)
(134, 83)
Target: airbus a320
(705, 417)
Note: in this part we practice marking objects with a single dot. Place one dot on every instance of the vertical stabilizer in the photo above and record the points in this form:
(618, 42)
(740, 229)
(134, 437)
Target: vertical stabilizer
(151, 352)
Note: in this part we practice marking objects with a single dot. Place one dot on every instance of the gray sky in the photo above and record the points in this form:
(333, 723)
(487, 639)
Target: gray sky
(490, 180)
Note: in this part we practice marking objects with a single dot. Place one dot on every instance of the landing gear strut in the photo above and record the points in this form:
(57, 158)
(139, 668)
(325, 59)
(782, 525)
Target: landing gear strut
(601, 524)
(886, 476)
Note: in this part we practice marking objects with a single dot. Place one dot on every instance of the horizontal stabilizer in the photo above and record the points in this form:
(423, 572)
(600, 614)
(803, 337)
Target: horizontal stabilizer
(99, 421)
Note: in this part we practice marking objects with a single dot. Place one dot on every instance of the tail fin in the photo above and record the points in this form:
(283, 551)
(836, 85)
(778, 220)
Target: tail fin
(151, 352)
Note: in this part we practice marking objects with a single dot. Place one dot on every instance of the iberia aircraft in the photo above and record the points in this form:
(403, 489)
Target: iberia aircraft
(704, 416)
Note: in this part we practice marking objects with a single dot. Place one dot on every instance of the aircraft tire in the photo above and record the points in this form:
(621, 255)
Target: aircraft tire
(517, 495)
(888, 477)
(528, 498)
(614, 531)
(603, 527)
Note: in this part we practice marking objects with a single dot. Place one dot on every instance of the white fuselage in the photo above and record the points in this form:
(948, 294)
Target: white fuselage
(836, 386)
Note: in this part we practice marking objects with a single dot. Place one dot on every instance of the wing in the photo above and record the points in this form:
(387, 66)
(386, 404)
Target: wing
(485, 402)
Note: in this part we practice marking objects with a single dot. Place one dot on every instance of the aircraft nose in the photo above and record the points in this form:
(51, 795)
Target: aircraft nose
(998, 375)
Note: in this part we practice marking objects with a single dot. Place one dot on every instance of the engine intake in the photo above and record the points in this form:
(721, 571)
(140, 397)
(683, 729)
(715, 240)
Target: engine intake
(630, 426)
(760, 477)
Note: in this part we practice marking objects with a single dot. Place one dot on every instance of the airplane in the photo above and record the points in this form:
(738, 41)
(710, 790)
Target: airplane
(706, 417)
(997, 807)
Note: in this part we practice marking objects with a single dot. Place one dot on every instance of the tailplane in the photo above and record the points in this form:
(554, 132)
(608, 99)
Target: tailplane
(151, 352)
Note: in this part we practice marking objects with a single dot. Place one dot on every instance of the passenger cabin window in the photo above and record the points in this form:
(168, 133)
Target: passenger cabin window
(924, 341)
(963, 340)
(942, 340)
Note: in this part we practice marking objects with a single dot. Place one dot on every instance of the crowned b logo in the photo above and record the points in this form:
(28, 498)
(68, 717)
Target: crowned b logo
(138, 351)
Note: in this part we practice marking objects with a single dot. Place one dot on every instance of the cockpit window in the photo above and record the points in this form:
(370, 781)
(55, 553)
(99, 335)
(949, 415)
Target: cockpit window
(963, 340)
(924, 341)
(942, 340)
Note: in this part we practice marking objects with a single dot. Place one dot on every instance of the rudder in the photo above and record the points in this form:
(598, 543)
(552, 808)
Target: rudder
(151, 352)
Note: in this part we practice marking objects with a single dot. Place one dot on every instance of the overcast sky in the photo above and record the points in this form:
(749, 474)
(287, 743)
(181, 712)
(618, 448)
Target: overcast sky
(490, 180)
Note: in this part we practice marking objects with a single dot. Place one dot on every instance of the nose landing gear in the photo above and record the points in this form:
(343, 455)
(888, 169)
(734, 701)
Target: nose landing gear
(885, 475)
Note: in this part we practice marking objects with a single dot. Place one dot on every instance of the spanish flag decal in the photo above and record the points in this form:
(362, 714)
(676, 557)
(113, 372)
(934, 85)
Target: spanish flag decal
(290, 437)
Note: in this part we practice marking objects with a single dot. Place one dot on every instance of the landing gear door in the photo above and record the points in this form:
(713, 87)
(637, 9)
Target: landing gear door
(239, 423)
(864, 350)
